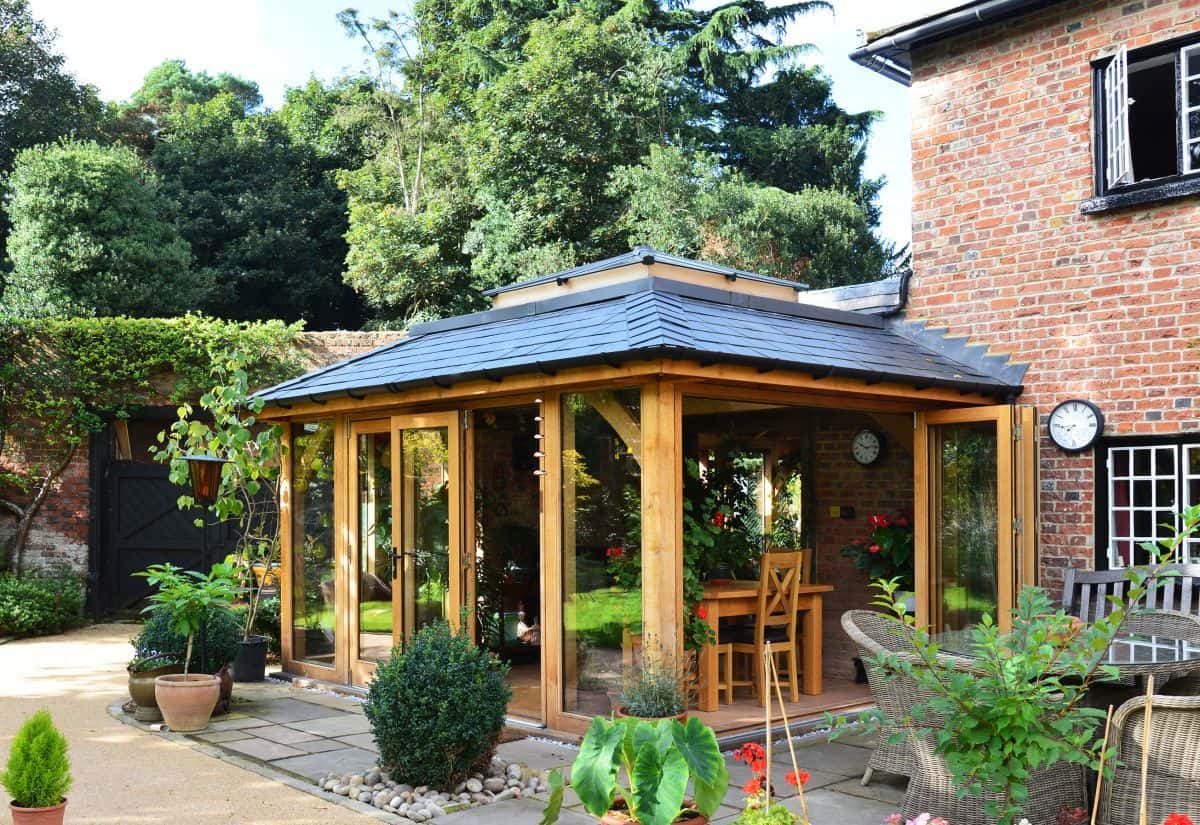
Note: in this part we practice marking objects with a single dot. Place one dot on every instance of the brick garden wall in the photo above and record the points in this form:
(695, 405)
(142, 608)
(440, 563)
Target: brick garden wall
(60, 533)
(838, 480)
(1104, 307)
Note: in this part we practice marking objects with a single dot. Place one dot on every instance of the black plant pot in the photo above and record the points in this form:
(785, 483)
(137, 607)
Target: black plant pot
(860, 672)
(251, 662)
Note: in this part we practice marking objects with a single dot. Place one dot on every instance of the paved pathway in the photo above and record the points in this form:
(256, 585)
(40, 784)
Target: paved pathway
(257, 764)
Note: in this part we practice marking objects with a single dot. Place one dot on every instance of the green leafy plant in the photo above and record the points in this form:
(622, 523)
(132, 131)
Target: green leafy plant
(888, 552)
(38, 774)
(657, 686)
(158, 640)
(437, 706)
(37, 605)
(226, 426)
(1021, 704)
(658, 760)
(189, 597)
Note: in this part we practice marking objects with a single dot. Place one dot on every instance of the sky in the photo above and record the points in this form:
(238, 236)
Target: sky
(281, 43)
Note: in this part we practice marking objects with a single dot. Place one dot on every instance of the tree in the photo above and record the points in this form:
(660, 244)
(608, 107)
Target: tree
(91, 236)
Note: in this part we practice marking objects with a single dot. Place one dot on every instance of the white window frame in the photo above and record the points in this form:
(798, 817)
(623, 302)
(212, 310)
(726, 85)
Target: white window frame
(1116, 536)
(1118, 154)
(1188, 139)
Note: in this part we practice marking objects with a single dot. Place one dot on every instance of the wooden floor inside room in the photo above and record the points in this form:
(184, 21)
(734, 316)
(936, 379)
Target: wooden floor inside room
(526, 683)
(746, 713)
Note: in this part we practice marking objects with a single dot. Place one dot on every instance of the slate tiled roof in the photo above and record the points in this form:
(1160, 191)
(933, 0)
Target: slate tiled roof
(637, 320)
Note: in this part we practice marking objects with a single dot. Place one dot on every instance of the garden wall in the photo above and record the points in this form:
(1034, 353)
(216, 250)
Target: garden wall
(840, 481)
(60, 534)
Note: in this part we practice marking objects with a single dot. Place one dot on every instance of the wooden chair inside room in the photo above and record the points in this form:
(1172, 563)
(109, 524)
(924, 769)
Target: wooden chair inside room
(782, 573)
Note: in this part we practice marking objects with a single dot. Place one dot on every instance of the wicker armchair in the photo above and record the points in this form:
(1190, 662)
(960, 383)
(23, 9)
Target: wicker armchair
(874, 633)
(1175, 625)
(1173, 778)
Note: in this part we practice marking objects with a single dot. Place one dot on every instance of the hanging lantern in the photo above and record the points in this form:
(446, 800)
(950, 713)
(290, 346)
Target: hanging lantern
(205, 473)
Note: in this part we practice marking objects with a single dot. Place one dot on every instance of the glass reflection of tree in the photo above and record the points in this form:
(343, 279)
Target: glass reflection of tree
(968, 524)
(312, 485)
(426, 457)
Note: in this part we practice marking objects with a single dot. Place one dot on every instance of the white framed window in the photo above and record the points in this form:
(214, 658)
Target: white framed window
(1189, 106)
(1118, 160)
(1147, 486)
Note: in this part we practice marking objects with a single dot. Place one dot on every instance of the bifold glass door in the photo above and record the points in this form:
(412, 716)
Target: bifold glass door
(405, 532)
(976, 496)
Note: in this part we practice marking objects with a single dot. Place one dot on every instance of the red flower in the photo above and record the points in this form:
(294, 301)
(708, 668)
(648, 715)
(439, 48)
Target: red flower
(874, 548)
(754, 786)
(797, 779)
(1177, 819)
(878, 520)
(901, 521)
(701, 612)
(719, 519)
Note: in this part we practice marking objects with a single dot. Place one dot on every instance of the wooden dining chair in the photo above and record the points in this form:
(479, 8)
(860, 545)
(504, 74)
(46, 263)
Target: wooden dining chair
(775, 622)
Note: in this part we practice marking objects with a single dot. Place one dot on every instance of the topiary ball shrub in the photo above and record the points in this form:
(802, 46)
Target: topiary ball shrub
(38, 773)
(224, 636)
(437, 708)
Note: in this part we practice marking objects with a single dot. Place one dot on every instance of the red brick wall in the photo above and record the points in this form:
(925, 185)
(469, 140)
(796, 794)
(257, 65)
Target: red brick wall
(838, 480)
(1104, 307)
(60, 532)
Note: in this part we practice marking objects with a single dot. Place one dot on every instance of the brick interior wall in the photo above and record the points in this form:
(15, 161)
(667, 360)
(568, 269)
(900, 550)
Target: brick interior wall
(838, 480)
(1104, 307)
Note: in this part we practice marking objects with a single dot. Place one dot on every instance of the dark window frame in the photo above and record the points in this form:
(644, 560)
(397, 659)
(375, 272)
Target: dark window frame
(1108, 198)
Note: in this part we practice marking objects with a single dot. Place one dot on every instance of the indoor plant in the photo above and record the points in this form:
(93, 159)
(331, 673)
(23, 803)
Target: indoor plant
(658, 760)
(657, 687)
(227, 428)
(188, 597)
(38, 773)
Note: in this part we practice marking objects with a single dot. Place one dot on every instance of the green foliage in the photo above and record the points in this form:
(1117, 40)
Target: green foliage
(38, 605)
(171, 87)
(227, 427)
(38, 774)
(267, 623)
(887, 553)
(189, 597)
(658, 760)
(657, 686)
(90, 237)
(437, 707)
(1020, 705)
(160, 642)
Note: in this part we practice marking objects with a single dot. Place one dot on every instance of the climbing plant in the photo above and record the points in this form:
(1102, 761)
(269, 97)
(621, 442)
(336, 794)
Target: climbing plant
(61, 378)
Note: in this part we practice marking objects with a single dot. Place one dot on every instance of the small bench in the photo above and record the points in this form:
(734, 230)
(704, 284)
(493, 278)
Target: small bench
(1086, 592)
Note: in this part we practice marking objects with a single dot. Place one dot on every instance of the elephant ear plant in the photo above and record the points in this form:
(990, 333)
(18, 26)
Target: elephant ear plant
(189, 597)
(659, 758)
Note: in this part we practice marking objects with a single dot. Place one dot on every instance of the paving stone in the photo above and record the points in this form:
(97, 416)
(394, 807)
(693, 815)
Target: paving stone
(523, 811)
(315, 765)
(239, 723)
(829, 806)
(342, 703)
(223, 736)
(284, 736)
(283, 711)
(539, 756)
(833, 757)
(261, 749)
(317, 745)
(885, 787)
(344, 724)
(366, 741)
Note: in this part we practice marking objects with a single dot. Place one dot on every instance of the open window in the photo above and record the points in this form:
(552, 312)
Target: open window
(1147, 125)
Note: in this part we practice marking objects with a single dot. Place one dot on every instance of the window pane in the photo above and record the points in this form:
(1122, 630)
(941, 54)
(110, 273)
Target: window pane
(1193, 92)
(313, 592)
(1192, 61)
(602, 562)
(374, 530)
(425, 474)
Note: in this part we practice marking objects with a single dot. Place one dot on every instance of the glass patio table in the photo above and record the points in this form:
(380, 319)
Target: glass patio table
(1132, 654)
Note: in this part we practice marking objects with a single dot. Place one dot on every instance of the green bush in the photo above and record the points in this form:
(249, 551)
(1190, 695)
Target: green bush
(437, 708)
(37, 605)
(267, 623)
(224, 635)
(38, 774)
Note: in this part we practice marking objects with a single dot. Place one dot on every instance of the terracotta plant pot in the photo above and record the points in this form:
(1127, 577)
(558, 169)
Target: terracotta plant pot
(187, 701)
(141, 691)
(225, 678)
(38, 816)
(619, 815)
(620, 712)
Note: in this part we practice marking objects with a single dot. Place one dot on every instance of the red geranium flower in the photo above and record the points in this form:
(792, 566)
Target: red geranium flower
(874, 548)
(719, 519)
(701, 612)
(901, 521)
(1177, 819)
(797, 779)
(754, 786)
(613, 552)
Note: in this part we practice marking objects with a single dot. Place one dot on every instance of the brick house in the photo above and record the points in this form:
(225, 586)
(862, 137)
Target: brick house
(1056, 168)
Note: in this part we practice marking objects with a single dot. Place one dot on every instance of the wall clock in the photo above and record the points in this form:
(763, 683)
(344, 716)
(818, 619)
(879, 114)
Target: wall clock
(867, 447)
(1075, 425)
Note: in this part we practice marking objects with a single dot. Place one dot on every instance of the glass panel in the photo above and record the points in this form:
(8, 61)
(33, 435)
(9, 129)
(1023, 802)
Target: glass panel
(1193, 61)
(425, 473)
(313, 593)
(602, 561)
(965, 508)
(1193, 92)
(374, 528)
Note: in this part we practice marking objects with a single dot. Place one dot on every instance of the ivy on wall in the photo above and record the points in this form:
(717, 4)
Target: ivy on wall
(60, 379)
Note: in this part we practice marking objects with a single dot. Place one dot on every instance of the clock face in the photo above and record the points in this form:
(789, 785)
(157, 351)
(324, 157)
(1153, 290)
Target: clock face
(1075, 425)
(866, 447)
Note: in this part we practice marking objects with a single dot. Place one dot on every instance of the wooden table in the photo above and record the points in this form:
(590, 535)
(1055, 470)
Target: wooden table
(740, 598)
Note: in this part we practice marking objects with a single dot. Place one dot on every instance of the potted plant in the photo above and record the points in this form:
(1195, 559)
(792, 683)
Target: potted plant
(38, 773)
(248, 492)
(656, 688)
(188, 597)
(661, 757)
(143, 670)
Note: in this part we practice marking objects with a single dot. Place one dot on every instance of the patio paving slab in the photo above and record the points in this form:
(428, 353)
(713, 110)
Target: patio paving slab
(261, 748)
(344, 724)
(836, 757)
(313, 766)
(538, 755)
(828, 806)
(366, 741)
(319, 745)
(884, 787)
(223, 736)
(284, 711)
(237, 722)
(284, 735)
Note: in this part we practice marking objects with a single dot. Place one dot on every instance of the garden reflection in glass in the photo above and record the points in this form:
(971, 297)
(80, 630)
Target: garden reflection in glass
(374, 533)
(425, 522)
(601, 542)
(313, 600)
